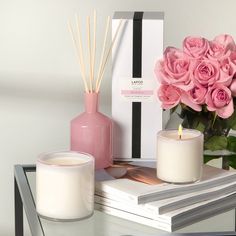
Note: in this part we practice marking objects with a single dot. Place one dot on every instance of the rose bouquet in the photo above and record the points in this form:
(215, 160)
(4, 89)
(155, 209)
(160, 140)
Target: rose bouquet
(201, 79)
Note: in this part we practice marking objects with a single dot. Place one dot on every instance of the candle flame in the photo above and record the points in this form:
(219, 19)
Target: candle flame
(180, 131)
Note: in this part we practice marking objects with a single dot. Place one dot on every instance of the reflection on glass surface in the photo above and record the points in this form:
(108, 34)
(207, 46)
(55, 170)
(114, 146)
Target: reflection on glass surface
(101, 224)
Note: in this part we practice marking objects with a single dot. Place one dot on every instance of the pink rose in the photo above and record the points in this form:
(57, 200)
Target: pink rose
(233, 60)
(233, 88)
(195, 46)
(206, 72)
(227, 71)
(219, 99)
(194, 98)
(187, 100)
(198, 94)
(174, 69)
(169, 96)
(221, 47)
(227, 41)
(217, 51)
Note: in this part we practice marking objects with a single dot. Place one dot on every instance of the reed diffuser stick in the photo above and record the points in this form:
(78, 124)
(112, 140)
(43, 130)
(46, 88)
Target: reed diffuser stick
(90, 54)
(78, 54)
(103, 50)
(90, 84)
(94, 45)
(83, 72)
(107, 56)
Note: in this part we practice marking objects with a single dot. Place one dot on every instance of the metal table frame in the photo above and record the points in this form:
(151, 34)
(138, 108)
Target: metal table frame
(24, 200)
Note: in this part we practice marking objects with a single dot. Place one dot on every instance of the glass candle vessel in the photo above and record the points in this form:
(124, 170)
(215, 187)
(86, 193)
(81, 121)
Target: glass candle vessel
(91, 132)
(179, 159)
(65, 186)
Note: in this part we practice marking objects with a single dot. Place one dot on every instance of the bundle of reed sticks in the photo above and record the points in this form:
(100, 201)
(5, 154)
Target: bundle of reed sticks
(92, 80)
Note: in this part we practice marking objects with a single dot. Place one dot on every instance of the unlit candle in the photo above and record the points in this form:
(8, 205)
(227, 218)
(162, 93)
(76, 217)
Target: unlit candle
(65, 185)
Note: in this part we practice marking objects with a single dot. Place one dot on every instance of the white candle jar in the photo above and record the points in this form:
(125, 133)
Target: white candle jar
(179, 160)
(65, 186)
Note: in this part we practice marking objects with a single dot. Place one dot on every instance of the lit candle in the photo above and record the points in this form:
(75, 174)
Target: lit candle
(65, 185)
(180, 131)
(179, 155)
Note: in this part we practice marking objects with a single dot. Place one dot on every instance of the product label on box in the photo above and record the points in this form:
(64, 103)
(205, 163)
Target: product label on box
(137, 89)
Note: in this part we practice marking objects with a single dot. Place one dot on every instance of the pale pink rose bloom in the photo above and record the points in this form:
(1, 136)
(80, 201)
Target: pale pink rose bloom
(194, 98)
(232, 58)
(174, 69)
(219, 99)
(227, 41)
(233, 88)
(195, 46)
(188, 101)
(169, 96)
(227, 71)
(206, 72)
(221, 47)
(217, 51)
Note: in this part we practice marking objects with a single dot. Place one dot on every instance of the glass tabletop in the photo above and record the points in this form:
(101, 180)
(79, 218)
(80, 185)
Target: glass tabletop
(101, 224)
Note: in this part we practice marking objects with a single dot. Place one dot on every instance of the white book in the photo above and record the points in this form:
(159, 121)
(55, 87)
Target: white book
(180, 218)
(154, 209)
(139, 184)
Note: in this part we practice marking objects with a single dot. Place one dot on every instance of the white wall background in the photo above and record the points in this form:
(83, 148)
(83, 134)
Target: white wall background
(40, 88)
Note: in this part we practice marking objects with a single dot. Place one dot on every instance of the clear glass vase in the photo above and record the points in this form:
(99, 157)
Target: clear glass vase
(218, 143)
(91, 132)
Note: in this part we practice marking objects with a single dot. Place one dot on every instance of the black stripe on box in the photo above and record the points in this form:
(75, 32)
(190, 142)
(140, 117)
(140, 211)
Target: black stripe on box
(137, 73)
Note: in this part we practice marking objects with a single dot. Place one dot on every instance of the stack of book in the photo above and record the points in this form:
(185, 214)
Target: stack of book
(132, 191)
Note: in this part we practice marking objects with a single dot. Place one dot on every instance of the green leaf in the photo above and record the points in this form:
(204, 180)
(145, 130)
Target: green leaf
(231, 121)
(208, 158)
(231, 143)
(216, 143)
(233, 127)
(200, 127)
(232, 161)
(214, 119)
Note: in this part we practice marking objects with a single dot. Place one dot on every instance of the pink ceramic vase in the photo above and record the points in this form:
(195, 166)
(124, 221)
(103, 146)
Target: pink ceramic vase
(91, 132)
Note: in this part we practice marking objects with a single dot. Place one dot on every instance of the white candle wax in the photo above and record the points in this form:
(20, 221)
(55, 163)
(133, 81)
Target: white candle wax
(179, 160)
(65, 185)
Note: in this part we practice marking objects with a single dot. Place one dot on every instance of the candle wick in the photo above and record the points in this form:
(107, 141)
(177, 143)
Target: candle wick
(180, 136)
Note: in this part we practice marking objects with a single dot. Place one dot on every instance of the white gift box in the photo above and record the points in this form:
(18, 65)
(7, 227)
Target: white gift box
(136, 111)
